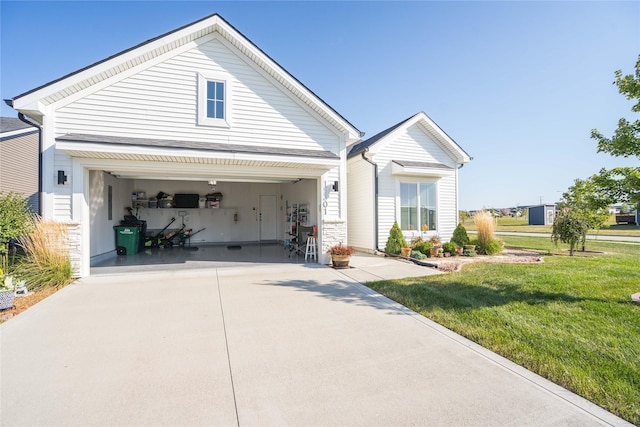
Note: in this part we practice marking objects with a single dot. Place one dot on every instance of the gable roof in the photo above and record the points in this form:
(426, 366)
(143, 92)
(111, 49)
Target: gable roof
(11, 127)
(10, 124)
(33, 101)
(445, 140)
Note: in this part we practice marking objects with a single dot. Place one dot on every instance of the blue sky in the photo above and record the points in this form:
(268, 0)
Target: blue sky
(519, 85)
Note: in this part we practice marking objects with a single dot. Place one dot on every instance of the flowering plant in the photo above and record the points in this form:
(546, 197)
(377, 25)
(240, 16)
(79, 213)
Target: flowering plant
(10, 283)
(340, 249)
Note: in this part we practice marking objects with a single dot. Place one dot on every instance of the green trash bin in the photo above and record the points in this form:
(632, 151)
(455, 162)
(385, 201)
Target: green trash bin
(127, 240)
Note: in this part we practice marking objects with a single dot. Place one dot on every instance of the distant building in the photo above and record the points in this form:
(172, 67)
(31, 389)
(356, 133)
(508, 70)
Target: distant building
(542, 214)
(19, 160)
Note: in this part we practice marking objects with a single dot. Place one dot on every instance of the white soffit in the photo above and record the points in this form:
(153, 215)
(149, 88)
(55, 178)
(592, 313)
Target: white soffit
(420, 169)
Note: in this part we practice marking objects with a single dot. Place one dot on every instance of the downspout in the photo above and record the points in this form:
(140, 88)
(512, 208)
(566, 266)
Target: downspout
(375, 212)
(28, 121)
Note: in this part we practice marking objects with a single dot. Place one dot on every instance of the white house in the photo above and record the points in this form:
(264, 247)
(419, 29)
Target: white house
(196, 105)
(407, 173)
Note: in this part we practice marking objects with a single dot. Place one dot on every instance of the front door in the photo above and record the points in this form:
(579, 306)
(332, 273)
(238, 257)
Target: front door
(268, 218)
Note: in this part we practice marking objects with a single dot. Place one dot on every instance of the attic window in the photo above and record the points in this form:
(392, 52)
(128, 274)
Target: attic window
(214, 100)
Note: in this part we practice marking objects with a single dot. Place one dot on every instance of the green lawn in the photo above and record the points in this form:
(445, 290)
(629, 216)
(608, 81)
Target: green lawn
(569, 319)
(521, 224)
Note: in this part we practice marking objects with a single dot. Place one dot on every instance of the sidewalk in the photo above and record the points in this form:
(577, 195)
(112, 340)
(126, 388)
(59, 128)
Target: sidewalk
(601, 237)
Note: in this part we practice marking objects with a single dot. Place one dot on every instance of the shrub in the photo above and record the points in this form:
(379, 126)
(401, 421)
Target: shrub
(417, 255)
(15, 220)
(449, 247)
(492, 247)
(470, 253)
(424, 248)
(47, 262)
(396, 240)
(460, 236)
(486, 227)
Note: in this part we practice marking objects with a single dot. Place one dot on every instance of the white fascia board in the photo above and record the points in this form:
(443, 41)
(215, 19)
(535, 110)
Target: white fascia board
(31, 100)
(18, 132)
(177, 152)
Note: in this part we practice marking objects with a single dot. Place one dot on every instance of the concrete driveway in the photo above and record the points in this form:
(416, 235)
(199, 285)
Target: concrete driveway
(268, 345)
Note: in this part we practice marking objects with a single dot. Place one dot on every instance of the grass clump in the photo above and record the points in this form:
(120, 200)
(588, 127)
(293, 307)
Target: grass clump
(46, 262)
(487, 242)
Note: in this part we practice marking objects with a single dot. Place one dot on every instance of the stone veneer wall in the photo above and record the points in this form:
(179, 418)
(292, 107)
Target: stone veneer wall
(333, 232)
(73, 245)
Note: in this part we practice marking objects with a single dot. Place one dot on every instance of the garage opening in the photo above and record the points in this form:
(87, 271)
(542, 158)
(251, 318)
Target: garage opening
(187, 223)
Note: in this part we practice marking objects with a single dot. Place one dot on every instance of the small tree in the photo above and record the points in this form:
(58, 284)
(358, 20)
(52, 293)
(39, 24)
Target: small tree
(15, 221)
(396, 240)
(588, 202)
(568, 227)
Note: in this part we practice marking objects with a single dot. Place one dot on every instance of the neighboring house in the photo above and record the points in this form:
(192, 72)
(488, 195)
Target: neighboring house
(407, 173)
(542, 214)
(202, 104)
(19, 160)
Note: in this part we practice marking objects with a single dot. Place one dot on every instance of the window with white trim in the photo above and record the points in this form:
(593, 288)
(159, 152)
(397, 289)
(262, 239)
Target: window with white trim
(418, 206)
(213, 100)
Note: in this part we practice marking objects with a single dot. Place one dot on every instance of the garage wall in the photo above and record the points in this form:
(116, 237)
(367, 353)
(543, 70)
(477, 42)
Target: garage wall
(102, 234)
(238, 198)
(303, 191)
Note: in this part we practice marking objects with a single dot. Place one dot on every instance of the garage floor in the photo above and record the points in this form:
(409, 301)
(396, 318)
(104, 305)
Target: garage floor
(205, 256)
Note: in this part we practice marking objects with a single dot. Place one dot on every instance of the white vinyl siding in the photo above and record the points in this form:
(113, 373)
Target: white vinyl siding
(361, 212)
(62, 192)
(161, 102)
(414, 145)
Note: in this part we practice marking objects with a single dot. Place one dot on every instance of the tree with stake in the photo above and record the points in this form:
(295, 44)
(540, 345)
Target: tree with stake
(568, 227)
(588, 202)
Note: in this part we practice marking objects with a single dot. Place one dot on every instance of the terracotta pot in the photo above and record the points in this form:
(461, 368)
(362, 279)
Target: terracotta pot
(434, 251)
(340, 261)
(459, 250)
(405, 252)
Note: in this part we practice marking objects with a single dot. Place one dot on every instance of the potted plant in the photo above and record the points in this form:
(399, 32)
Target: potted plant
(340, 255)
(7, 291)
(449, 248)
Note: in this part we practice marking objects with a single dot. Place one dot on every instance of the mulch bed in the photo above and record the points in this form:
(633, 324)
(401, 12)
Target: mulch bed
(508, 256)
(21, 303)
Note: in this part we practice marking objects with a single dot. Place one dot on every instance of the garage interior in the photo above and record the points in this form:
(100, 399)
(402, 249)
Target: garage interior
(251, 222)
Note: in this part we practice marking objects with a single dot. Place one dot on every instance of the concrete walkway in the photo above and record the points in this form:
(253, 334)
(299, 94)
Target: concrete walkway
(295, 344)
(600, 237)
